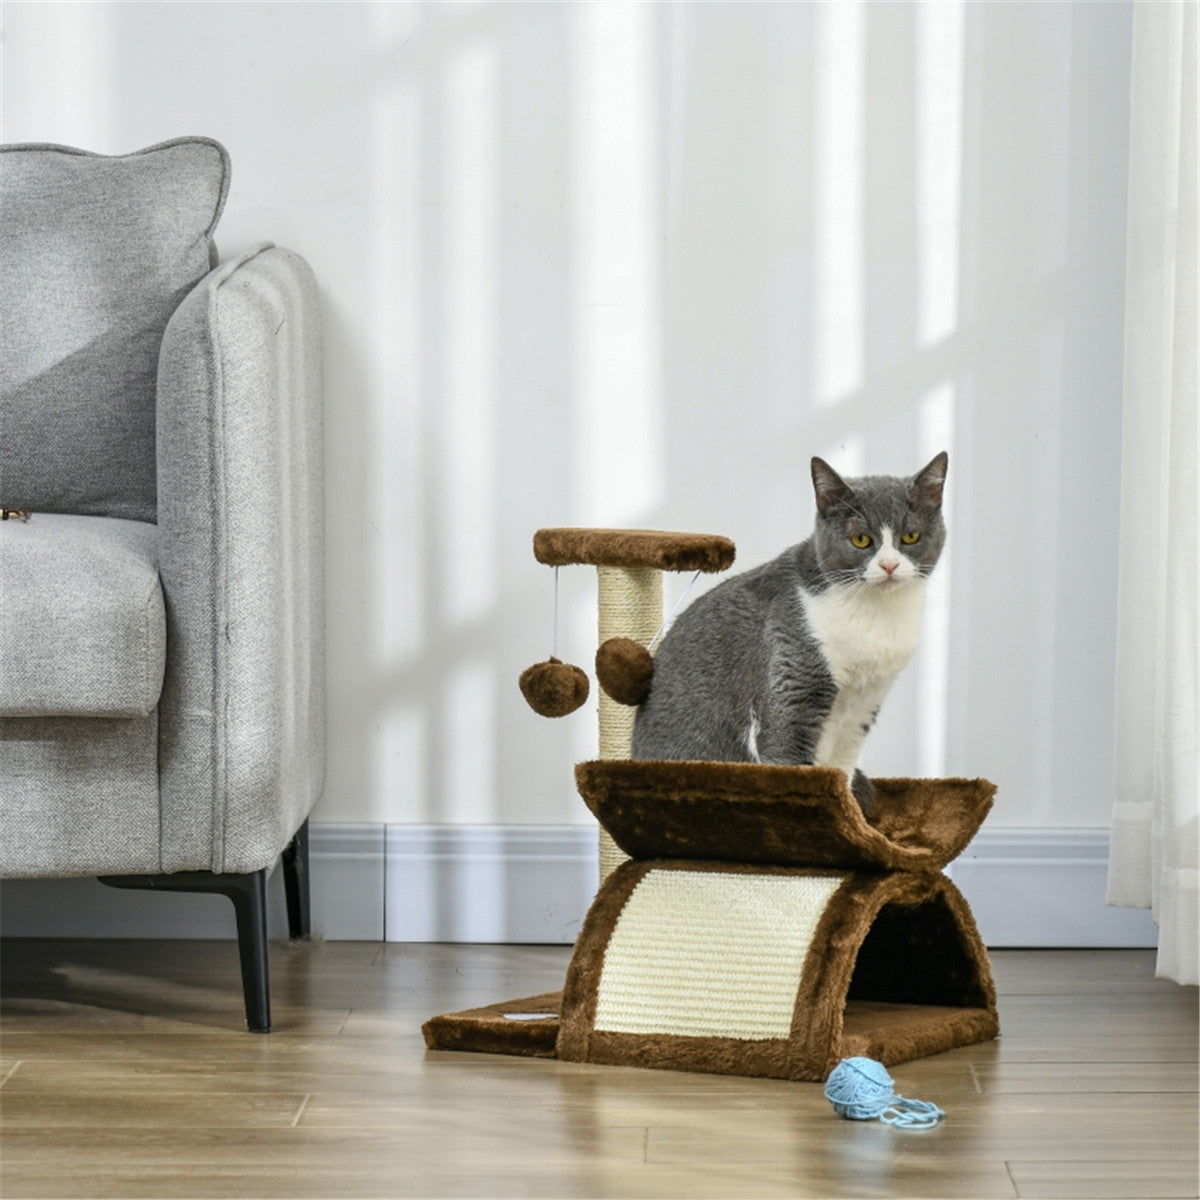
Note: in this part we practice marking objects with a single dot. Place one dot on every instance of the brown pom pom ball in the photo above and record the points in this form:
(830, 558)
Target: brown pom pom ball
(554, 688)
(624, 668)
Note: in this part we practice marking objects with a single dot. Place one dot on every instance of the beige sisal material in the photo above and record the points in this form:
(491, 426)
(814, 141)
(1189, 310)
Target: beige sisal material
(706, 954)
(630, 606)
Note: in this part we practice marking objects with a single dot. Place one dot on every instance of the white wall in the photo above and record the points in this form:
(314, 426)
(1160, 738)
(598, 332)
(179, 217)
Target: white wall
(634, 265)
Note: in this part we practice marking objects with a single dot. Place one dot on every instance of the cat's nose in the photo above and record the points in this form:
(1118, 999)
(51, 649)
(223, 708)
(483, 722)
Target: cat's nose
(889, 564)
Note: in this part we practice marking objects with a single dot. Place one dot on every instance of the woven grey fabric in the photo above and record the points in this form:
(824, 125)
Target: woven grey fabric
(83, 630)
(96, 252)
(98, 257)
(78, 796)
(242, 740)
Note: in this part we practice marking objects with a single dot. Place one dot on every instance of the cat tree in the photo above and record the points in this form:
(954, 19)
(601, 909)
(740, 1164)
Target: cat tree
(750, 919)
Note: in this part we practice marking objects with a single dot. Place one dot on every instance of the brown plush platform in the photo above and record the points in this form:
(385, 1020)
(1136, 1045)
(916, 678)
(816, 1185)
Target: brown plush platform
(789, 816)
(763, 927)
(889, 1033)
(515, 1027)
(633, 548)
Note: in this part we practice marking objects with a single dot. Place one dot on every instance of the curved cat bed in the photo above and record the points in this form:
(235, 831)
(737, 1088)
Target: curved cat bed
(786, 816)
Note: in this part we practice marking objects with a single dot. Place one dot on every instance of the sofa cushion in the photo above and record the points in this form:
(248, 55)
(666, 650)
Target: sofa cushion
(84, 628)
(96, 253)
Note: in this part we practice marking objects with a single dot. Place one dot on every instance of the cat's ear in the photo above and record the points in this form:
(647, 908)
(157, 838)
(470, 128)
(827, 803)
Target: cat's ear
(831, 489)
(928, 483)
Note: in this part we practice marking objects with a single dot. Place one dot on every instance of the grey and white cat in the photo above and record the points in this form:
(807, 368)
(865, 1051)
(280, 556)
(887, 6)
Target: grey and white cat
(789, 662)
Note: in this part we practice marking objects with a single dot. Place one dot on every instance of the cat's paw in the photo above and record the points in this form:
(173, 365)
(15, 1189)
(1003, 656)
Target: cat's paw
(864, 791)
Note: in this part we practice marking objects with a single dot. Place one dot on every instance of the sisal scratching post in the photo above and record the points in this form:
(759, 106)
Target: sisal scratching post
(629, 564)
(630, 606)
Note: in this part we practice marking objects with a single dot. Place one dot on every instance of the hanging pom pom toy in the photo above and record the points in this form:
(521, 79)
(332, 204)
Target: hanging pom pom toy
(554, 688)
(861, 1090)
(624, 669)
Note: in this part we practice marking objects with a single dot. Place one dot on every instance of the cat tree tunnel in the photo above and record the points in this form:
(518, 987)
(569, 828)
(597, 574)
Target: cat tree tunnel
(750, 919)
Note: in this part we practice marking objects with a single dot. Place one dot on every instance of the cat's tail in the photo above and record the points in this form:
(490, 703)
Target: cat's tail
(624, 669)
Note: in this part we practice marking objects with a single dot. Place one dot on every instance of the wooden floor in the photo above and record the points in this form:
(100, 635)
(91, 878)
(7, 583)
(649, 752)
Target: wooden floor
(126, 1073)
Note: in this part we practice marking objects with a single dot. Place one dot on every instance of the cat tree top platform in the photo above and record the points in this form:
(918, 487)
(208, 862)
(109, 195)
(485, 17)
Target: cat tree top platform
(632, 548)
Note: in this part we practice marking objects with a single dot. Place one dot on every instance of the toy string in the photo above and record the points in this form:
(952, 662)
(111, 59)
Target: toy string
(555, 651)
(662, 629)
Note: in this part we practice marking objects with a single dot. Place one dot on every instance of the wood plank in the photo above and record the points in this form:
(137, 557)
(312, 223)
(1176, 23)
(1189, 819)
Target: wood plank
(1178, 1044)
(83, 1108)
(1127, 1078)
(865, 1159)
(1108, 1179)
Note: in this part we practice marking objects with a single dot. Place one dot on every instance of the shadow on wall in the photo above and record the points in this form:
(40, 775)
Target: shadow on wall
(634, 265)
(609, 264)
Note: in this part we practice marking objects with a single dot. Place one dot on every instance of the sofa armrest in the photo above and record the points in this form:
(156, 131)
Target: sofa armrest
(241, 515)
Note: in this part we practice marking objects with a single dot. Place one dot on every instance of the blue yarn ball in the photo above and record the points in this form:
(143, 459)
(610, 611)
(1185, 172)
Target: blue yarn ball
(861, 1090)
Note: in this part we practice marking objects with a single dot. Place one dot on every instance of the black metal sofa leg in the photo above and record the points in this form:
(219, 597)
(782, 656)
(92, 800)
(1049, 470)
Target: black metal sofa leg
(295, 885)
(249, 896)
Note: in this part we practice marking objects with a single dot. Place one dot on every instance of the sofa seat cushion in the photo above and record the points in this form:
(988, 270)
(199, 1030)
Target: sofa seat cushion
(84, 626)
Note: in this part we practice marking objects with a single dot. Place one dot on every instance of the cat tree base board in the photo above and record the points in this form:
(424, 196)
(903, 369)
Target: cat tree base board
(889, 1033)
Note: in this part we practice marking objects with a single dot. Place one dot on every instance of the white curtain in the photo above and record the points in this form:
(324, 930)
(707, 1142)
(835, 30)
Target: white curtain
(1154, 860)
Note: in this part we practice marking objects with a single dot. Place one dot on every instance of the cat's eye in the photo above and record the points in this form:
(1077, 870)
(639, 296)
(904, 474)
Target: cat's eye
(861, 540)
(910, 539)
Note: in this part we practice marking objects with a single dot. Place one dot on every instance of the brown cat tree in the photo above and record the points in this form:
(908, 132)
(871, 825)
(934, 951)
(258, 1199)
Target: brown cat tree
(761, 924)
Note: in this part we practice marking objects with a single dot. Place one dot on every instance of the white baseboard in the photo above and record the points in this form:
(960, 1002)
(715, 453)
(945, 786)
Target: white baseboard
(346, 872)
(489, 883)
(1046, 887)
(529, 884)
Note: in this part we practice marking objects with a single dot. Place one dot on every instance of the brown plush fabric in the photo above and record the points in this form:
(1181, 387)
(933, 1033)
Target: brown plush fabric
(553, 688)
(578, 1011)
(633, 548)
(904, 940)
(889, 1033)
(925, 985)
(898, 1033)
(796, 816)
(488, 1031)
(579, 1041)
(624, 669)
(896, 969)
(710, 1055)
(922, 947)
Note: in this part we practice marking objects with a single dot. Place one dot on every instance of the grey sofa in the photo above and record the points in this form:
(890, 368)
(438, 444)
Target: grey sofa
(161, 619)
